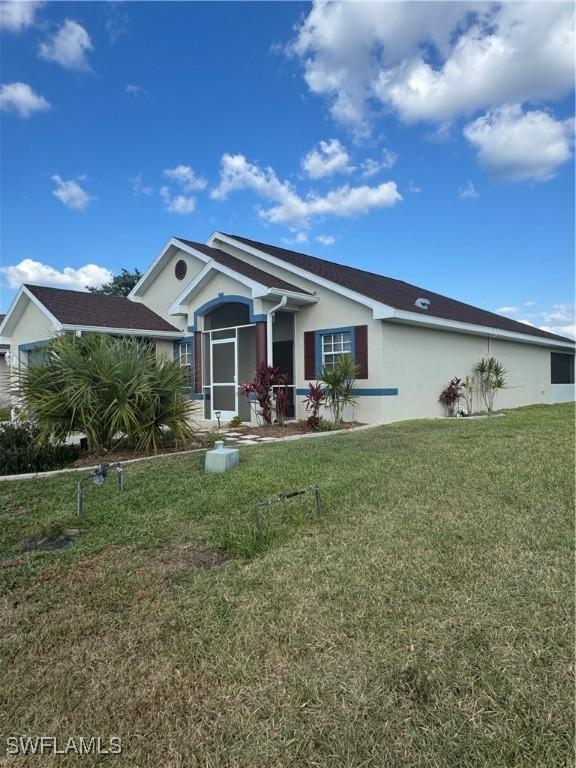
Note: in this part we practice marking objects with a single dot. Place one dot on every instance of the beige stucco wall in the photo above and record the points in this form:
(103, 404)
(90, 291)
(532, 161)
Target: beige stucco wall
(165, 288)
(335, 311)
(422, 361)
(33, 325)
(218, 284)
(165, 348)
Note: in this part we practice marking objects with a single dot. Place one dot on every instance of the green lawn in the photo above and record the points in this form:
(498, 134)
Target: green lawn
(425, 620)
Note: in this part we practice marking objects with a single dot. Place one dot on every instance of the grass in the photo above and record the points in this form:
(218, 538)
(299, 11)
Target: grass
(425, 620)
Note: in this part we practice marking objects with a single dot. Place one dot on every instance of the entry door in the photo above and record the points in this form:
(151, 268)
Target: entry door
(224, 378)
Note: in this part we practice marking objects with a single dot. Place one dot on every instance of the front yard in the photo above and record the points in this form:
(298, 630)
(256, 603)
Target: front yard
(426, 619)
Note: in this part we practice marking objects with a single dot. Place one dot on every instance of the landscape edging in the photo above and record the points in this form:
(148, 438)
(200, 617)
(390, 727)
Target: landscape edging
(68, 470)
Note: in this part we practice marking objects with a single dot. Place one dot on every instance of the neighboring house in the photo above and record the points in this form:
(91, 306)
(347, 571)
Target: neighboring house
(225, 306)
(4, 372)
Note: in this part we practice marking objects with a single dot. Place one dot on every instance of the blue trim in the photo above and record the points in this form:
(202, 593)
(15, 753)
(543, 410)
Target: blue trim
(197, 396)
(366, 392)
(318, 344)
(222, 299)
(33, 345)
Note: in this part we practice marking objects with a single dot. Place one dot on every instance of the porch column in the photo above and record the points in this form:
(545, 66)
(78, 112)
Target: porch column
(261, 358)
(198, 362)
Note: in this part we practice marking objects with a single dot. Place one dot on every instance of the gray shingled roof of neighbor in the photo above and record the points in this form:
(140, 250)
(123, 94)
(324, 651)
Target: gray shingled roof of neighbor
(243, 268)
(99, 310)
(397, 293)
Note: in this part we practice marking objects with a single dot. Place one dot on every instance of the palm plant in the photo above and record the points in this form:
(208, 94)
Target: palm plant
(491, 378)
(339, 381)
(111, 389)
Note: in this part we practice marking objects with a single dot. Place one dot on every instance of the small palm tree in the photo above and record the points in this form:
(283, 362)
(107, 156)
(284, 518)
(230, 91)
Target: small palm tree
(111, 389)
(491, 376)
(339, 381)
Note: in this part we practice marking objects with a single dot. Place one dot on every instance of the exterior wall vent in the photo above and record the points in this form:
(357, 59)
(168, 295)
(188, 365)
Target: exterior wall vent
(422, 303)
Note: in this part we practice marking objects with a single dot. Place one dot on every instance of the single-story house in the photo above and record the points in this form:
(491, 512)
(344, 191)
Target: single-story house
(227, 305)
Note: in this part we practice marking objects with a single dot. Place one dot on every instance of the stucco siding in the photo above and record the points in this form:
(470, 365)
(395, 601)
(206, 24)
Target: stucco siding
(219, 284)
(335, 311)
(422, 361)
(165, 288)
(33, 325)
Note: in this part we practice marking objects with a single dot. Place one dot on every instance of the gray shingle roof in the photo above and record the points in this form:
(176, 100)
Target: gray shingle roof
(99, 310)
(397, 293)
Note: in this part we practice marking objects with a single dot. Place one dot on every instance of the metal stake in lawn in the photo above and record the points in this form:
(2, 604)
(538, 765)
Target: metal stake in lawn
(286, 497)
(98, 476)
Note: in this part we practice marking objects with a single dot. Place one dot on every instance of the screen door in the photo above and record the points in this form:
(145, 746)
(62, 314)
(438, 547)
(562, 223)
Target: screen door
(224, 378)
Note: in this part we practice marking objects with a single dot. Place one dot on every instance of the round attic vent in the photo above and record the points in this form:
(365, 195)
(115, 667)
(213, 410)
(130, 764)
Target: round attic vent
(180, 269)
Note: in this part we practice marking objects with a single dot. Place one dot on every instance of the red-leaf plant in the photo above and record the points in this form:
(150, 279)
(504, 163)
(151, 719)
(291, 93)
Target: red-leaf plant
(314, 399)
(281, 404)
(261, 387)
(451, 395)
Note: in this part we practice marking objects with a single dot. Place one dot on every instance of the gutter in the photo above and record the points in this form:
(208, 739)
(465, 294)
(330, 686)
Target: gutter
(269, 319)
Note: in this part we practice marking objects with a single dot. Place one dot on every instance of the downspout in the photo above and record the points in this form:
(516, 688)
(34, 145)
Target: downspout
(269, 318)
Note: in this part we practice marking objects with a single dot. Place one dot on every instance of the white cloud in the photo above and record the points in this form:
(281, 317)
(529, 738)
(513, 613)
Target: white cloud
(469, 192)
(331, 157)
(559, 319)
(16, 15)
(185, 177)
(371, 167)
(138, 186)
(561, 330)
(70, 193)
(20, 98)
(299, 239)
(177, 204)
(30, 271)
(521, 146)
(414, 188)
(68, 46)
(507, 310)
(326, 239)
(560, 313)
(135, 90)
(237, 173)
(435, 61)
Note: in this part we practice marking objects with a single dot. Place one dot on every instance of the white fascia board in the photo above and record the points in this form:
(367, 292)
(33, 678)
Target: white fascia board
(376, 306)
(303, 298)
(412, 318)
(146, 276)
(125, 331)
(14, 311)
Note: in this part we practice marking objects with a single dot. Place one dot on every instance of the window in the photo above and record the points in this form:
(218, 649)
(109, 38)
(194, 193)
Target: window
(334, 345)
(561, 368)
(185, 351)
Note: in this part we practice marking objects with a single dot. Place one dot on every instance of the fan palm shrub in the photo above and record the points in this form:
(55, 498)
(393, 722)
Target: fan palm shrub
(491, 376)
(112, 389)
(339, 382)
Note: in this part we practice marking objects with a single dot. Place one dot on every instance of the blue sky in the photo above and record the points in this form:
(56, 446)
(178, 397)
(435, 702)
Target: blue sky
(430, 143)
